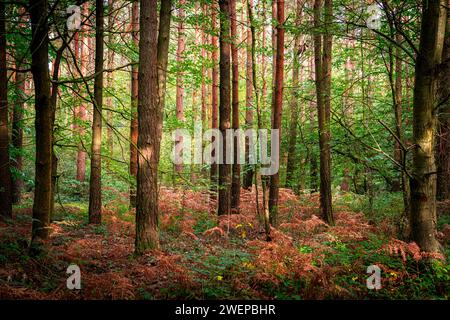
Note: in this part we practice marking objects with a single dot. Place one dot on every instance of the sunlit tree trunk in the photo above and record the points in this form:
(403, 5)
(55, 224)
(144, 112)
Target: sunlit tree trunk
(95, 186)
(423, 181)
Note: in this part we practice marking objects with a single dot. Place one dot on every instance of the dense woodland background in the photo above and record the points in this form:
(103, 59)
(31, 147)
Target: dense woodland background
(86, 122)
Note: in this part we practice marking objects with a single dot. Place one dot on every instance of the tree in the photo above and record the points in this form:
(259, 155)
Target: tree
(43, 120)
(423, 181)
(277, 105)
(110, 82)
(294, 107)
(153, 55)
(134, 104)
(5, 173)
(180, 85)
(95, 185)
(323, 91)
(214, 94)
(248, 174)
(443, 143)
(236, 173)
(224, 204)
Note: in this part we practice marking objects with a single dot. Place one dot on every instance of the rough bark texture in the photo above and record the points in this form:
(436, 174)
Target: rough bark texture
(5, 173)
(43, 120)
(153, 55)
(423, 181)
(95, 185)
(236, 174)
(248, 174)
(443, 143)
(323, 89)
(224, 201)
(134, 104)
(277, 107)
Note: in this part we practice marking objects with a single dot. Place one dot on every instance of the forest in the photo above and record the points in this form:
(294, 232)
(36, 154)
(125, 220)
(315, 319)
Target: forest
(224, 149)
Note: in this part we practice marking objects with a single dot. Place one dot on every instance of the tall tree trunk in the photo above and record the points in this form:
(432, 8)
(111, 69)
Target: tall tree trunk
(224, 201)
(312, 127)
(95, 186)
(294, 107)
(17, 123)
(81, 112)
(134, 104)
(43, 120)
(110, 84)
(180, 85)
(236, 174)
(214, 94)
(5, 173)
(248, 174)
(423, 181)
(153, 56)
(277, 108)
(323, 89)
(443, 143)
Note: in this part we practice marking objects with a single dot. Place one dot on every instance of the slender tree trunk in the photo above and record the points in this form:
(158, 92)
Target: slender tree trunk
(180, 85)
(312, 127)
(214, 94)
(82, 114)
(110, 84)
(224, 201)
(277, 108)
(423, 181)
(43, 120)
(95, 192)
(323, 88)
(5, 173)
(134, 104)
(248, 174)
(443, 143)
(236, 174)
(292, 161)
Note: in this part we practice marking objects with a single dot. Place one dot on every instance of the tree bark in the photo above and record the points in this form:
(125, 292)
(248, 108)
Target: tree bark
(110, 84)
(236, 174)
(224, 201)
(214, 94)
(423, 181)
(134, 104)
(180, 85)
(443, 143)
(5, 173)
(292, 161)
(95, 186)
(248, 174)
(277, 108)
(43, 120)
(323, 89)
(153, 56)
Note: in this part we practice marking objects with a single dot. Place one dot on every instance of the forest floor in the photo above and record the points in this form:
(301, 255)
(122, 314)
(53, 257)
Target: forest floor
(206, 257)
